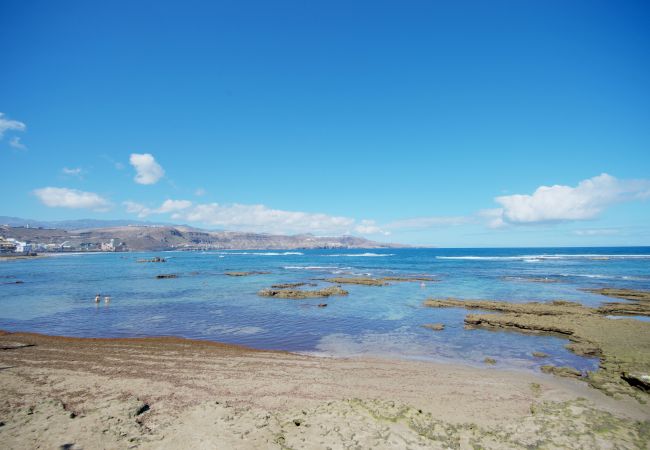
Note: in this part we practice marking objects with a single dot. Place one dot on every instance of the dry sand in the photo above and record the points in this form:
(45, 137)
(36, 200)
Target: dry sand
(71, 393)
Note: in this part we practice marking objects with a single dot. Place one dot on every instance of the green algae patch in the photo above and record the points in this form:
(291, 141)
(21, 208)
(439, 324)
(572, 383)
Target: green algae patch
(623, 346)
(573, 424)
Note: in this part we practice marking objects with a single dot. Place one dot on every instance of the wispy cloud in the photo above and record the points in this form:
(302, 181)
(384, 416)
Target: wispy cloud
(148, 171)
(200, 192)
(56, 197)
(15, 143)
(597, 232)
(168, 206)
(420, 223)
(7, 124)
(257, 218)
(72, 172)
(560, 203)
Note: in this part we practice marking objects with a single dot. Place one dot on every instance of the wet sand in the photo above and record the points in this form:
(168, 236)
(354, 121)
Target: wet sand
(175, 393)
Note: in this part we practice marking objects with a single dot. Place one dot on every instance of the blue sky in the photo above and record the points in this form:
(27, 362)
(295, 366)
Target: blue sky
(415, 122)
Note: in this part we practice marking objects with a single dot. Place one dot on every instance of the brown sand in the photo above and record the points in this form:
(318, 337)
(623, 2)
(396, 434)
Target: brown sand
(60, 392)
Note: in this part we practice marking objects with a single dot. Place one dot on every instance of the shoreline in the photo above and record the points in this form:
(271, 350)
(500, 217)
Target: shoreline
(169, 392)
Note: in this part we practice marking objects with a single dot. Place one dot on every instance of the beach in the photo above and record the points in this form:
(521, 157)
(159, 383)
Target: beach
(167, 392)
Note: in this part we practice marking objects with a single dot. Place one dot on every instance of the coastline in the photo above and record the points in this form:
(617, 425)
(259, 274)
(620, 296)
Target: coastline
(166, 392)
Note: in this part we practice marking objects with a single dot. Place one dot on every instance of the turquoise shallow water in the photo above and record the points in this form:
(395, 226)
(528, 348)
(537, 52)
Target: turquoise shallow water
(202, 303)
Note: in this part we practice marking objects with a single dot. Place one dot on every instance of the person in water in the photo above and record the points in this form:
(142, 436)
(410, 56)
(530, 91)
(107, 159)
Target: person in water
(107, 299)
(97, 297)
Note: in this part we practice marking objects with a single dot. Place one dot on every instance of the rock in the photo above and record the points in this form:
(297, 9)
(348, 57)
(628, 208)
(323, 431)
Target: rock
(568, 372)
(322, 305)
(291, 285)
(584, 349)
(638, 380)
(156, 259)
(409, 278)
(299, 294)
(167, 275)
(623, 346)
(244, 274)
(490, 361)
(434, 326)
(359, 280)
(540, 355)
(627, 294)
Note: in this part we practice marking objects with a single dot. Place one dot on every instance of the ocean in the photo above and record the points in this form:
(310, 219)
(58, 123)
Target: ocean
(57, 293)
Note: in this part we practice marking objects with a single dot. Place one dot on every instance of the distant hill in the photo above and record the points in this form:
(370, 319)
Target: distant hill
(166, 237)
(77, 224)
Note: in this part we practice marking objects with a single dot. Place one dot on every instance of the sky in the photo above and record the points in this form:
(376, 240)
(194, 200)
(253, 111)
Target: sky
(453, 124)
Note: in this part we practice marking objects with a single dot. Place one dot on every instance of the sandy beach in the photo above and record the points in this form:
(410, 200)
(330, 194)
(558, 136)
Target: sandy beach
(70, 393)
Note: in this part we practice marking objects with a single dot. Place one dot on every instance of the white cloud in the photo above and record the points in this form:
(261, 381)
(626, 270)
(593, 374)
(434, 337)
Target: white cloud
(168, 206)
(174, 205)
(148, 171)
(200, 192)
(72, 172)
(418, 223)
(10, 125)
(15, 143)
(597, 232)
(71, 198)
(565, 203)
(258, 218)
(262, 218)
(370, 227)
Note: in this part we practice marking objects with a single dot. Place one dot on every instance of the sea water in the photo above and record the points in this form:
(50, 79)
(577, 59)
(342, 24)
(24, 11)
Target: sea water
(57, 297)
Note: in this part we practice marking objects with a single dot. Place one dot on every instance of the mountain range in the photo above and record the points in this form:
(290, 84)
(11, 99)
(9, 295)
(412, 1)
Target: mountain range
(143, 236)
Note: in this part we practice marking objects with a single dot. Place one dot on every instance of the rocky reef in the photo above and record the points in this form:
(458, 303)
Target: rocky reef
(531, 279)
(623, 346)
(245, 274)
(291, 285)
(358, 280)
(300, 294)
(155, 259)
(434, 326)
(383, 281)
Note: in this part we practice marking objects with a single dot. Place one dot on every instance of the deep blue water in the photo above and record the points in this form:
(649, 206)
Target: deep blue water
(202, 303)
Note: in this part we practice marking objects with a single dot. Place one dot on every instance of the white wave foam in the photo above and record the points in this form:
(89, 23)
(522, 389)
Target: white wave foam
(362, 255)
(315, 268)
(263, 253)
(538, 258)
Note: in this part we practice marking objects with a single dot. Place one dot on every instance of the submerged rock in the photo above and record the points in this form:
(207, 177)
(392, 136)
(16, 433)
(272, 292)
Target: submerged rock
(569, 372)
(359, 280)
(156, 259)
(245, 274)
(623, 346)
(540, 355)
(291, 285)
(384, 281)
(627, 294)
(298, 294)
(531, 279)
(434, 326)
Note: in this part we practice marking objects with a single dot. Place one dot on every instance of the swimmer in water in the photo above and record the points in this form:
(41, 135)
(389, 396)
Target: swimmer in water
(97, 297)
(107, 299)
